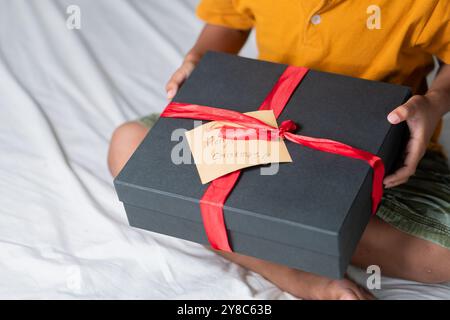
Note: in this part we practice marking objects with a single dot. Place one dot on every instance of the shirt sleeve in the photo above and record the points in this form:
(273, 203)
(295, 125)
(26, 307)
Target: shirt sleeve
(225, 13)
(435, 35)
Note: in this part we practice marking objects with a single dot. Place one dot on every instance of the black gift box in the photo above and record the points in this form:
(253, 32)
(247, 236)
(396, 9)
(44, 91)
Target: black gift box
(312, 213)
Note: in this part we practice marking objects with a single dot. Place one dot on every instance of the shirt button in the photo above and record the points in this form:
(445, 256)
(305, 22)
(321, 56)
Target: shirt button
(315, 19)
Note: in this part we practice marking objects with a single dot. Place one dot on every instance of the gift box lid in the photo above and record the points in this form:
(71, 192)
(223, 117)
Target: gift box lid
(320, 201)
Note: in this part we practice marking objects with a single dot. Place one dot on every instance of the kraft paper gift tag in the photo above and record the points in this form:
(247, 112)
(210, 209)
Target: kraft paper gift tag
(215, 156)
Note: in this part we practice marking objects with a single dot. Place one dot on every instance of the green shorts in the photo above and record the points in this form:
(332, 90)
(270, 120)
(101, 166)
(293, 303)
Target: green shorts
(420, 207)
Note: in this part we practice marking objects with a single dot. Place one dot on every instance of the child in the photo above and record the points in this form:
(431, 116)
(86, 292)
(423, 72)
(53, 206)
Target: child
(385, 40)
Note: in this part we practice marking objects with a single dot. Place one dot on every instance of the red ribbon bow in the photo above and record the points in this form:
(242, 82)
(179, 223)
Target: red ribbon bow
(211, 204)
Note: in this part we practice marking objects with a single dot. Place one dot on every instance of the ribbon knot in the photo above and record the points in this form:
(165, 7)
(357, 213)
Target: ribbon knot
(286, 126)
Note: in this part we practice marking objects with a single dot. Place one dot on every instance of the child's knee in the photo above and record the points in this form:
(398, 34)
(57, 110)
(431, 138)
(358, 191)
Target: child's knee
(127, 131)
(124, 141)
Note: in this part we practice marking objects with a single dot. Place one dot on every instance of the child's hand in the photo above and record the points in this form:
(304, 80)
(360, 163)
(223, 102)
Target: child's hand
(180, 75)
(212, 38)
(422, 114)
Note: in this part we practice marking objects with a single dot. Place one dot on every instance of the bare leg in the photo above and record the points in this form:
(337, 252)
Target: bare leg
(299, 283)
(397, 253)
(401, 255)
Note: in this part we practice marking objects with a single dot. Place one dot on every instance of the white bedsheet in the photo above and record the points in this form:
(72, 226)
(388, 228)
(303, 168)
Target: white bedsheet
(63, 233)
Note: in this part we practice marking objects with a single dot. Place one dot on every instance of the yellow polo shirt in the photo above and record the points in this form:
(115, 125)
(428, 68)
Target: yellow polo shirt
(385, 40)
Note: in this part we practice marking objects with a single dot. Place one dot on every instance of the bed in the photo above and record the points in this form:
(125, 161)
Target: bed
(63, 233)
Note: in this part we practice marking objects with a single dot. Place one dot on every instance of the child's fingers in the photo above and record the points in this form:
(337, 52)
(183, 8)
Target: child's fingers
(174, 83)
(171, 92)
(415, 152)
(399, 177)
(178, 78)
(405, 111)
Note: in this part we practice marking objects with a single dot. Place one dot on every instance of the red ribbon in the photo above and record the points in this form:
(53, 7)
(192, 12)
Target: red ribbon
(211, 204)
